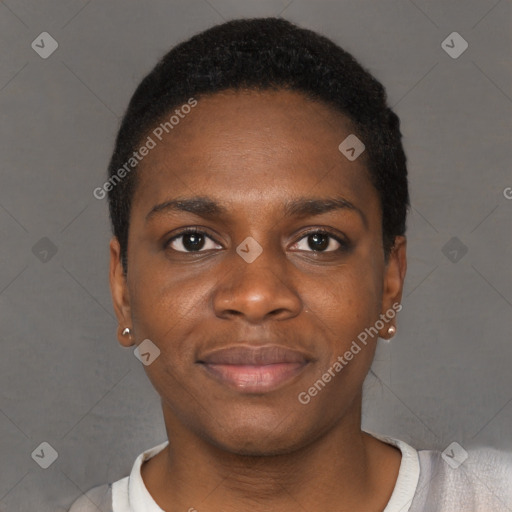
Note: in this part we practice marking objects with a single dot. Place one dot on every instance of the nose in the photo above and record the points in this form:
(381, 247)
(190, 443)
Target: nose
(256, 291)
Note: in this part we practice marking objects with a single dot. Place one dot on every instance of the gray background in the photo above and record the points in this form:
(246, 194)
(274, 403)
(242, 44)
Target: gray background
(63, 377)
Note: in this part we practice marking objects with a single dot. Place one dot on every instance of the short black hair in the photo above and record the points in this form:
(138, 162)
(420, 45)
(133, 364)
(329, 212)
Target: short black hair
(262, 54)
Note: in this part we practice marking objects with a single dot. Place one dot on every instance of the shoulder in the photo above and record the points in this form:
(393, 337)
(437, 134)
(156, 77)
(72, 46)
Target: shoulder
(479, 480)
(96, 499)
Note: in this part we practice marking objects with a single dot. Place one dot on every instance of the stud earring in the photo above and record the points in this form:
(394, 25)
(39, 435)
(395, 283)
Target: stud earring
(391, 331)
(127, 331)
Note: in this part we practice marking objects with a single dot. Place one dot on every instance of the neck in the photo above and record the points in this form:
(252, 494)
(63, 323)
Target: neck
(344, 469)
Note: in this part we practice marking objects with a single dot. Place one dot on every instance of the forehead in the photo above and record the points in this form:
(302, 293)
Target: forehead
(252, 146)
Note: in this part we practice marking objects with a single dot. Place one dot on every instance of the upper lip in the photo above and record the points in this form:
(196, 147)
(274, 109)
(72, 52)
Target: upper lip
(249, 355)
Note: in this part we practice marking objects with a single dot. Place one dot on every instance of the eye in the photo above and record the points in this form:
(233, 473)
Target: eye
(320, 241)
(192, 240)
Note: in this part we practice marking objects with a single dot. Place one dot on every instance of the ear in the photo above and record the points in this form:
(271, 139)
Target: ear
(394, 276)
(120, 295)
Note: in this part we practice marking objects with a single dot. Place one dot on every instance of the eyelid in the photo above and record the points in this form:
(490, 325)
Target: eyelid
(341, 239)
(338, 236)
(190, 230)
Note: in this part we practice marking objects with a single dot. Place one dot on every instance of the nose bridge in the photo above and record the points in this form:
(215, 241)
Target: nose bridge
(256, 284)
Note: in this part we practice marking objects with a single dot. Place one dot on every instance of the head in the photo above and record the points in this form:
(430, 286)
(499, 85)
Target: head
(295, 245)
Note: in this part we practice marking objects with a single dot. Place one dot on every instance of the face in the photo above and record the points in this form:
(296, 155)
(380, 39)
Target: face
(283, 270)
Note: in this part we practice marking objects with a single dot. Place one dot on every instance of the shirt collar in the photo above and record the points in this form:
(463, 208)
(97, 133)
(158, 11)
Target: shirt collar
(141, 500)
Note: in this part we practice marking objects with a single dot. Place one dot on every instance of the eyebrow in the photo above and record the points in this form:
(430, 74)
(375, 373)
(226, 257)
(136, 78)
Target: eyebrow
(201, 206)
(308, 207)
(207, 207)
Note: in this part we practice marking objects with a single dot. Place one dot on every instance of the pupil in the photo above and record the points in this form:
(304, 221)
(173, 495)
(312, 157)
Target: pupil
(193, 241)
(321, 241)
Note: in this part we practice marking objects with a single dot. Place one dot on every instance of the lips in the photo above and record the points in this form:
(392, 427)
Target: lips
(254, 369)
(244, 355)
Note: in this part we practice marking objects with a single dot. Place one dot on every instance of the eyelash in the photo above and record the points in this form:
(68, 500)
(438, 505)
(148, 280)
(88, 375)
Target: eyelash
(344, 244)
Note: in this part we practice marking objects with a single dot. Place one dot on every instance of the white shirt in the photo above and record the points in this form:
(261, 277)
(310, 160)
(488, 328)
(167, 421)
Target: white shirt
(426, 482)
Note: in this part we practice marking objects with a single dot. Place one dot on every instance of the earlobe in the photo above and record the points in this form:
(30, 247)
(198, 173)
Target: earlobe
(124, 335)
(120, 295)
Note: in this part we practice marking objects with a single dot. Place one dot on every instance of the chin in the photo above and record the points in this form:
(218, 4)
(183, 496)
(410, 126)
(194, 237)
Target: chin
(259, 438)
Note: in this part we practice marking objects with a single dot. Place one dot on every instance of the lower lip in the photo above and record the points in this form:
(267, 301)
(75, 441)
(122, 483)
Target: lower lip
(252, 378)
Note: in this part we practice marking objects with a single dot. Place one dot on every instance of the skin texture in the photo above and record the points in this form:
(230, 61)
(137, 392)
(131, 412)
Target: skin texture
(252, 152)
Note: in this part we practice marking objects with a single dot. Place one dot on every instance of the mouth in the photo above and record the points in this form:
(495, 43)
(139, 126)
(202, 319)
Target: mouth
(254, 369)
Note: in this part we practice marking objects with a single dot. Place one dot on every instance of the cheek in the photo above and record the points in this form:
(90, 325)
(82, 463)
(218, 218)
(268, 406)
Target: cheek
(349, 297)
(166, 309)
(343, 308)
(161, 297)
